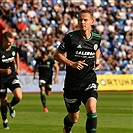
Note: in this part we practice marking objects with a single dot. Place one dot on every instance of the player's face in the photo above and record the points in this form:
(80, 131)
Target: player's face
(8, 42)
(85, 21)
(45, 57)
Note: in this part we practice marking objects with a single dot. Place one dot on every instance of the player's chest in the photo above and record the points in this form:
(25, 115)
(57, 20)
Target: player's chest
(45, 64)
(84, 45)
(7, 56)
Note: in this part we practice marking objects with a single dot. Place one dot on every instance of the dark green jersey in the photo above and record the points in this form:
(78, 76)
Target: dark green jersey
(45, 68)
(7, 60)
(77, 49)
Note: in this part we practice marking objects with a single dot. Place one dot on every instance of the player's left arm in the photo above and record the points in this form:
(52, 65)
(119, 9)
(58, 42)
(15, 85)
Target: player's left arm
(56, 69)
(17, 63)
(97, 61)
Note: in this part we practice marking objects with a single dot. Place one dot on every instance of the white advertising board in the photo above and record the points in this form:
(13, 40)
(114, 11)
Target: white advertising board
(29, 84)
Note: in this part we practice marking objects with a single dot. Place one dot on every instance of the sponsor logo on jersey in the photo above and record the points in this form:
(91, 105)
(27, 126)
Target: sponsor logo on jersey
(86, 54)
(95, 46)
(91, 86)
(70, 100)
(3, 56)
(48, 63)
(42, 81)
(62, 45)
(15, 81)
(13, 53)
(8, 60)
(79, 46)
(2, 90)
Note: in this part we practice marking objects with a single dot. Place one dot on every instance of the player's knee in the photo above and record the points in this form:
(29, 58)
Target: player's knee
(74, 118)
(19, 98)
(48, 93)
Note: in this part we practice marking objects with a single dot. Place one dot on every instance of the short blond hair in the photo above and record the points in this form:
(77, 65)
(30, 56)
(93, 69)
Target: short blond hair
(7, 34)
(86, 11)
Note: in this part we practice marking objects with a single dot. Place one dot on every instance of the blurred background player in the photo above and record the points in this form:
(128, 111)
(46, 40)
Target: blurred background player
(83, 53)
(8, 79)
(45, 65)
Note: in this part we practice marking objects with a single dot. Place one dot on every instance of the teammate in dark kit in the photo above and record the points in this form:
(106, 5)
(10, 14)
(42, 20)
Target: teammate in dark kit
(45, 65)
(82, 48)
(8, 79)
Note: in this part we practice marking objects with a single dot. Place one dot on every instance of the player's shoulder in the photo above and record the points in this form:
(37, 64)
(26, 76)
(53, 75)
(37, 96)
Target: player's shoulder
(14, 45)
(50, 58)
(74, 33)
(38, 58)
(94, 34)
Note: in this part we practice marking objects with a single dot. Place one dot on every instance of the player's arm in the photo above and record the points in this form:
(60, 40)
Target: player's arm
(34, 72)
(17, 63)
(7, 71)
(56, 69)
(97, 62)
(60, 57)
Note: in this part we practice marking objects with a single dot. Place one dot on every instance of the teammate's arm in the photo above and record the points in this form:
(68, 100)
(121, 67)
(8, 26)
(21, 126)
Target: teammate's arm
(17, 63)
(56, 69)
(34, 73)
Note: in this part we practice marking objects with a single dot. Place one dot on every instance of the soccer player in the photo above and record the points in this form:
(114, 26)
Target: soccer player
(81, 48)
(8, 79)
(45, 64)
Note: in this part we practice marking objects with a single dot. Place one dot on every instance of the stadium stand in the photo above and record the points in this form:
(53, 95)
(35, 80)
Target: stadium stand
(38, 25)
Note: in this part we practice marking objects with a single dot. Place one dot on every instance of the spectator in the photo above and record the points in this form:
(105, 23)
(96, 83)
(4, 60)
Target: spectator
(114, 20)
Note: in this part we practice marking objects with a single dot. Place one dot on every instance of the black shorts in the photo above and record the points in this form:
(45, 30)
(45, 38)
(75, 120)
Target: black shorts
(74, 98)
(12, 84)
(46, 84)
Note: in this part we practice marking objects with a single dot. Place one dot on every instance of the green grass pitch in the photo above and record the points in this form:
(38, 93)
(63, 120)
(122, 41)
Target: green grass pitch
(114, 110)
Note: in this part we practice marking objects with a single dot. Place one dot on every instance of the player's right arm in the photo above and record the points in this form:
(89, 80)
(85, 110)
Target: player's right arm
(6, 71)
(34, 72)
(62, 59)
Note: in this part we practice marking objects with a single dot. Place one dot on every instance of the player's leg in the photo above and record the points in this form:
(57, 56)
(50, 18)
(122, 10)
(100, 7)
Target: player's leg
(42, 96)
(15, 87)
(47, 92)
(15, 100)
(17, 96)
(48, 89)
(91, 122)
(90, 100)
(4, 111)
(72, 104)
(42, 84)
(69, 120)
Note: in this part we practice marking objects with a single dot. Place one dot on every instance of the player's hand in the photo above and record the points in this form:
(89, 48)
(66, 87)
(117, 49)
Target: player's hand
(8, 70)
(55, 79)
(35, 77)
(97, 66)
(79, 65)
(18, 71)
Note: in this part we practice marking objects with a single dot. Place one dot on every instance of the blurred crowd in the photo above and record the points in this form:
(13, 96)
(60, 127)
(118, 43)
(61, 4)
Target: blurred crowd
(41, 25)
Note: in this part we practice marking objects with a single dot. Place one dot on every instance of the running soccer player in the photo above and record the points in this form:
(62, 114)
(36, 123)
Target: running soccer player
(45, 65)
(8, 78)
(82, 48)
